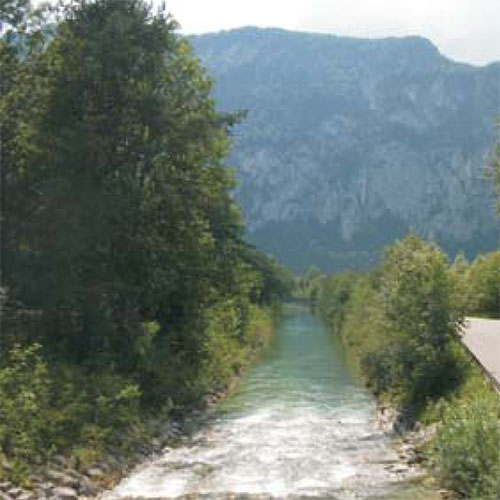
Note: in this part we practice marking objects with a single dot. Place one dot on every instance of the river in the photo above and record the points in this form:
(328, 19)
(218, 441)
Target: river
(299, 425)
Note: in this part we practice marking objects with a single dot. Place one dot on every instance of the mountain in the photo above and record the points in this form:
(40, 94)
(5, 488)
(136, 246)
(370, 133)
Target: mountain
(350, 143)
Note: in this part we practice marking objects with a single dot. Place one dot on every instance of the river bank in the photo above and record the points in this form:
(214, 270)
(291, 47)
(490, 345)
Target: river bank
(299, 425)
(61, 479)
(64, 476)
(297, 422)
(399, 325)
(411, 440)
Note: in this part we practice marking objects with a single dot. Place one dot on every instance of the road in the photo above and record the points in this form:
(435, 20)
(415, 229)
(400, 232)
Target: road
(482, 338)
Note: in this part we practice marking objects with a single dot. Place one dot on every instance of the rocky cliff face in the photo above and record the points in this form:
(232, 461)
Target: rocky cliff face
(350, 143)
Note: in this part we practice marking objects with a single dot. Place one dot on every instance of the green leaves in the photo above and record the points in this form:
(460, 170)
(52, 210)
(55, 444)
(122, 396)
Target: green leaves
(466, 451)
(482, 283)
(118, 225)
(417, 288)
(24, 399)
(117, 196)
(122, 248)
(401, 321)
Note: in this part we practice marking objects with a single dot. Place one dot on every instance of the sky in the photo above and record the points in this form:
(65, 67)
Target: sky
(463, 30)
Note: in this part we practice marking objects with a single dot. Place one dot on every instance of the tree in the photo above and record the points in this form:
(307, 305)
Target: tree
(416, 290)
(117, 209)
(21, 43)
(483, 281)
(120, 241)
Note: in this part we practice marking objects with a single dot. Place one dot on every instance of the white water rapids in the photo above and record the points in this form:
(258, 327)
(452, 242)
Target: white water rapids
(299, 426)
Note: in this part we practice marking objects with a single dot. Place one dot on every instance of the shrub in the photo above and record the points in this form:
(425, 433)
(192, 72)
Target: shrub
(467, 447)
(24, 399)
(260, 326)
(220, 348)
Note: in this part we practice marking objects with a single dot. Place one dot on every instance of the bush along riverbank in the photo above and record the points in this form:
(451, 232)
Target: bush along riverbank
(47, 463)
(399, 325)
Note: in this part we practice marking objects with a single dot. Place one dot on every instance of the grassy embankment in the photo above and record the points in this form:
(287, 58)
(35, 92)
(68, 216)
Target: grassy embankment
(399, 325)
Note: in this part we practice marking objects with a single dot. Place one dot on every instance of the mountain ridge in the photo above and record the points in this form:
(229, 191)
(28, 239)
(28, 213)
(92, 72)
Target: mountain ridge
(420, 39)
(350, 143)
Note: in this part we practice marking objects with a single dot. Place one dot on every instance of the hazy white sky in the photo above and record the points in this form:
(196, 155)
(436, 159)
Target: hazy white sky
(464, 30)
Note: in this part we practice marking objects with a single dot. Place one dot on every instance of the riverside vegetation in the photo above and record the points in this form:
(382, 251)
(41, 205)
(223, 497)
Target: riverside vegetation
(127, 288)
(399, 323)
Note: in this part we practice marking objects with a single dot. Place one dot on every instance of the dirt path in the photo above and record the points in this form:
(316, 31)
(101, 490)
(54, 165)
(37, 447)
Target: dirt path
(482, 338)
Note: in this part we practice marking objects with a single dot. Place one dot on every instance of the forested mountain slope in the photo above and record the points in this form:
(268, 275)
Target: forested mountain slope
(350, 143)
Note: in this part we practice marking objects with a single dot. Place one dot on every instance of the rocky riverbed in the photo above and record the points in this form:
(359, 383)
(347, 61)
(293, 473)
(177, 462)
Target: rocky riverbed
(60, 480)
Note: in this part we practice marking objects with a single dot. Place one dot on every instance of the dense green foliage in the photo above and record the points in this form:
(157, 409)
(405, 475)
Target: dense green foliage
(466, 451)
(398, 323)
(478, 284)
(126, 285)
(24, 385)
(401, 320)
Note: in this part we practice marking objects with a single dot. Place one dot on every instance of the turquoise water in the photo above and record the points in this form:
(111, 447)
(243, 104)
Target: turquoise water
(298, 426)
(305, 366)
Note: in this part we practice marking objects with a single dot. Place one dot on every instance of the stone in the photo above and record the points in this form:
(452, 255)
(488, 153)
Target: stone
(61, 478)
(4, 496)
(95, 472)
(78, 477)
(14, 492)
(446, 494)
(65, 493)
(53, 474)
(46, 486)
(400, 469)
(36, 478)
(87, 487)
(104, 466)
(416, 459)
(59, 460)
(156, 444)
(27, 495)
